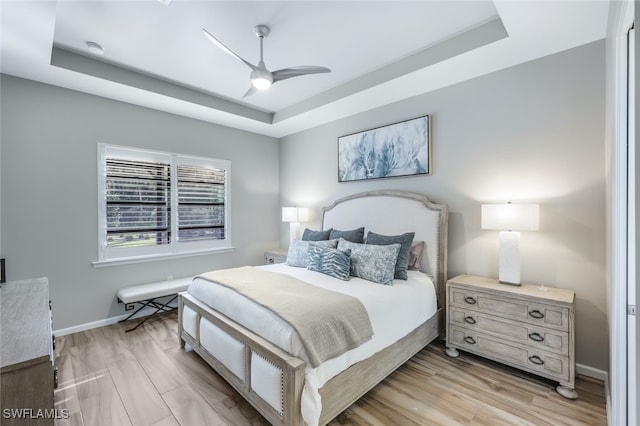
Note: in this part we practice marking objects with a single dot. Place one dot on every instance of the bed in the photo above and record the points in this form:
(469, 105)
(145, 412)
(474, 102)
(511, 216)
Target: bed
(278, 380)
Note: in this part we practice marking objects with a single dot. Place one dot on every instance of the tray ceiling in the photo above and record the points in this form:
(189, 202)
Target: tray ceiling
(155, 55)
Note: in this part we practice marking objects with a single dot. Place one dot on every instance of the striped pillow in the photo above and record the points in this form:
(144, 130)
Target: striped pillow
(299, 250)
(332, 262)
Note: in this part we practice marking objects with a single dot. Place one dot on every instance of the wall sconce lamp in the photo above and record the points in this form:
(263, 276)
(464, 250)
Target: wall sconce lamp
(294, 215)
(509, 219)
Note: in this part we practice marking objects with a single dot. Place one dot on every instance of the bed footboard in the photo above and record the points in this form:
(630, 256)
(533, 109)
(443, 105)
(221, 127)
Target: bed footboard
(265, 375)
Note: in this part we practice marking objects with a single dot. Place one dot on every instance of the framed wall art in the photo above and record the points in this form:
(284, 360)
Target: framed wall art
(399, 149)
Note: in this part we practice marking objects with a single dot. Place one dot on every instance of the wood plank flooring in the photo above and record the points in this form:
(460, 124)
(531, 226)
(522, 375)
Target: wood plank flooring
(109, 377)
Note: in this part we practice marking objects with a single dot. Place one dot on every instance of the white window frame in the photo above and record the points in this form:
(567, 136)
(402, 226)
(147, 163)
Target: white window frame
(123, 255)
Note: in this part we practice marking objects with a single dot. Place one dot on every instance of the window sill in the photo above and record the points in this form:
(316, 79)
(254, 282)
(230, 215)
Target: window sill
(154, 257)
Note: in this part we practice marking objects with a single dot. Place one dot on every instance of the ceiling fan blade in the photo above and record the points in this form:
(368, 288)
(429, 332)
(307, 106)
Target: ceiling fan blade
(226, 50)
(285, 73)
(250, 92)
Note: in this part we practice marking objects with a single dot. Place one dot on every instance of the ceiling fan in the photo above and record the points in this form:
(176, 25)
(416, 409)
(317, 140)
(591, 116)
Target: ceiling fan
(261, 77)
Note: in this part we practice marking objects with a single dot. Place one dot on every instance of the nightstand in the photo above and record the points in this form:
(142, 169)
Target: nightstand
(275, 256)
(521, 326)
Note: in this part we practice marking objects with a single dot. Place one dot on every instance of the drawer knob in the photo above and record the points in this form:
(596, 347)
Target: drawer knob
(536, 314)
(470, 300)
(536, 336)
(469, 320)
(470, 340)
(536, 360)
(270, 260)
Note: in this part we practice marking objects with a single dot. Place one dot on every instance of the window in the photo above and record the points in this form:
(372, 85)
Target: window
(200, 203)
(138, 203)
(156, 204)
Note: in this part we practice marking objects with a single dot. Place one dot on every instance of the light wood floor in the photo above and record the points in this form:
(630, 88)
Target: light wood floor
(109, 377)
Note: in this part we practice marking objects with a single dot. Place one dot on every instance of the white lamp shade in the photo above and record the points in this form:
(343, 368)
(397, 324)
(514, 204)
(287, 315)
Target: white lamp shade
(289, 214)
(295, 214)
(303, 214)
(511, 217)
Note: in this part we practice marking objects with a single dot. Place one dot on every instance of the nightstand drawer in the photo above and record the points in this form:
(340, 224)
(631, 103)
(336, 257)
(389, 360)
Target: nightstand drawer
(526, 334)
(546, 364)
(510, 307)
(275, 256)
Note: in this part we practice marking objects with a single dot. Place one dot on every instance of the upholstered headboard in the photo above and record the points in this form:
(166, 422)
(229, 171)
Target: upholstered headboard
(397, 212)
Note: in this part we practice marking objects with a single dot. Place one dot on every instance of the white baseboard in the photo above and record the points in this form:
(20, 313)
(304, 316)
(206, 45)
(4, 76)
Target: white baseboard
(594, 373)
(101, 323)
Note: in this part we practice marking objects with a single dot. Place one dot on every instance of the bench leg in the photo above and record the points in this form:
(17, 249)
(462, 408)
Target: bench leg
(151, 302)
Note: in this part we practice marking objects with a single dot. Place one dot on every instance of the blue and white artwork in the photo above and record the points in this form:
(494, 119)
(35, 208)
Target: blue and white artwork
(400, 149)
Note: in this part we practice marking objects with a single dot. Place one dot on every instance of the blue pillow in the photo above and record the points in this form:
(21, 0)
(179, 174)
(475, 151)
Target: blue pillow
(333, 262)
(298, 251)
(373, 263)
(353, 235)
(404, 240)
(311, 235)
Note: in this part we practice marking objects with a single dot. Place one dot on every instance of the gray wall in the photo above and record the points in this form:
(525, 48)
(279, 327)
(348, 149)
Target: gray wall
(533, 132)
(49, 195)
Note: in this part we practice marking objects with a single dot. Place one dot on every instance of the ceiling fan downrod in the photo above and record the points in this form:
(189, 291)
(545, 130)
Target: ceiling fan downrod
(261, 32)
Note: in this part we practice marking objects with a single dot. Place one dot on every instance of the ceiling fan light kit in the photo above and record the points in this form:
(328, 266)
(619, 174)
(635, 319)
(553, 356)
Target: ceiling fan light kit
(261, 78)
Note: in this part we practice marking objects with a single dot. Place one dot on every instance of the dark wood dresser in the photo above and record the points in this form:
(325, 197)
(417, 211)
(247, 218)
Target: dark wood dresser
(26, 353)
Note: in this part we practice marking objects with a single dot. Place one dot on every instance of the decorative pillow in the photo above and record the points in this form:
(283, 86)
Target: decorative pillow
(415, 255)
(373, 263)
(353, 235)
(311, 235)
(298, 251)
(333, 262)
(404, 240)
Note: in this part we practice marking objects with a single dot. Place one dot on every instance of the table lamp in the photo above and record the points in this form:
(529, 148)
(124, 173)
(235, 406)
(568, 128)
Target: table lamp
(510, 219)
(294, 215)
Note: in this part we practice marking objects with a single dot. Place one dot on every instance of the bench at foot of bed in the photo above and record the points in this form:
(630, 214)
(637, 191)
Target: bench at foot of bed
(147, 295)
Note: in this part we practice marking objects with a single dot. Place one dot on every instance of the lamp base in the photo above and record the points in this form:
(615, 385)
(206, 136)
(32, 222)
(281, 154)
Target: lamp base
(509, 270)
(293, 231)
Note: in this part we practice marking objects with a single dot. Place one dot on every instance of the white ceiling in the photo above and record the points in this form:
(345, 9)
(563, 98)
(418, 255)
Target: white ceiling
(379, 51)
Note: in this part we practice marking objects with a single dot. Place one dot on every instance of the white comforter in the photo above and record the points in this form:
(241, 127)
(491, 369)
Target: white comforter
(394, 312)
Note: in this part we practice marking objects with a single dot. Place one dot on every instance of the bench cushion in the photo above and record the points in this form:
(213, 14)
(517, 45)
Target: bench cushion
(137, 293)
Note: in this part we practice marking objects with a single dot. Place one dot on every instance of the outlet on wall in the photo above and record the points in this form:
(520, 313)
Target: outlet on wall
(129, 307)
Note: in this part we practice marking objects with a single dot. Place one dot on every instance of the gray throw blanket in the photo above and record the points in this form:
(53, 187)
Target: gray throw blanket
(328, 323)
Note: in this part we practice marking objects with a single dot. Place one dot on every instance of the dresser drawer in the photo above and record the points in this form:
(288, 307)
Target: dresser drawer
(533, 312)
(540, 362)
(520, 332)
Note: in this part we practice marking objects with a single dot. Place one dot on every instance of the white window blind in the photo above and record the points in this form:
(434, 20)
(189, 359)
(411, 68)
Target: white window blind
(138, 201)
(156, 204)
(201, 201)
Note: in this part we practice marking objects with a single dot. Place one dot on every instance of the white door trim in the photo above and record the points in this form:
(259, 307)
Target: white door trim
(622, 19)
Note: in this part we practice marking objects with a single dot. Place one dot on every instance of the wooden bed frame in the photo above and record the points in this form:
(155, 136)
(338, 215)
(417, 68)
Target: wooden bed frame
(385, 212)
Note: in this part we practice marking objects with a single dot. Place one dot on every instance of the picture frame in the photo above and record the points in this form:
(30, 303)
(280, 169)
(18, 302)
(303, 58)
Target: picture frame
(399, 149)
